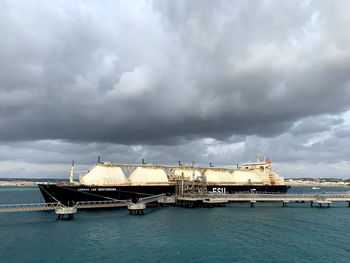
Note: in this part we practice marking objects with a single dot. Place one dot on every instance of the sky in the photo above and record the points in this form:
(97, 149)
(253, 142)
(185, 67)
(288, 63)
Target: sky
(203, 81)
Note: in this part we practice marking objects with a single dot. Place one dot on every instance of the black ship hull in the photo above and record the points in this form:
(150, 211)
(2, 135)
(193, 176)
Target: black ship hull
(71, 194)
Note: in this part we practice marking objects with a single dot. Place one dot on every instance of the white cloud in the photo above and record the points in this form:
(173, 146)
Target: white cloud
(135, 84)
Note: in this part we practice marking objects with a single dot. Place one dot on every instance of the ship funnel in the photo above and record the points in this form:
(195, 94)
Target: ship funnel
(98, 159)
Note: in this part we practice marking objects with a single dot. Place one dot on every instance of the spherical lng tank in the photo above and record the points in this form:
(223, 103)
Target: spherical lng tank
(243, 177)
(104, 175)
(218, 177)
(148, 176)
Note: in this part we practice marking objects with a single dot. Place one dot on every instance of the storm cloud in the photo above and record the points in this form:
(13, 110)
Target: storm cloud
(169, 80)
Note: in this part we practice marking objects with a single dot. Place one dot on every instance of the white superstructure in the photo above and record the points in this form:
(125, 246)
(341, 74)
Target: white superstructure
(263, 171)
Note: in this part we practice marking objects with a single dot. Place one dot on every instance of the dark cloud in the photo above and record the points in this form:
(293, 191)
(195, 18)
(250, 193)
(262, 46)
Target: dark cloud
(174, 80)
(315, 124)
(167, 72)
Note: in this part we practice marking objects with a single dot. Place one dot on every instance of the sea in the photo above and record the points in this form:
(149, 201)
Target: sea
(235, 233)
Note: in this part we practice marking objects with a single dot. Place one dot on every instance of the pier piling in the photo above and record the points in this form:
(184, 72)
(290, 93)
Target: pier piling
(137, 209)
(69, 211)
(320, 202)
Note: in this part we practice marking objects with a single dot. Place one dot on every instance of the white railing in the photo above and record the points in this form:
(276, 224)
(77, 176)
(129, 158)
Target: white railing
(104, 202)
(329, 196)
(31, 205)
(150, 198)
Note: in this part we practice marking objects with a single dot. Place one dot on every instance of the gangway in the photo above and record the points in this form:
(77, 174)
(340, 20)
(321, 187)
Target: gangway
(102, 204)
(6, 208)
(150, 199)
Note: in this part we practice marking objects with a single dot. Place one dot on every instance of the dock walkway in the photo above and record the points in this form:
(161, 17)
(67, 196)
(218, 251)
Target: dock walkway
(191, 199)
(62, 209)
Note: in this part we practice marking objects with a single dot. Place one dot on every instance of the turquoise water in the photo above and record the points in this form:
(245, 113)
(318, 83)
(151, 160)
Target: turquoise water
(235, 233)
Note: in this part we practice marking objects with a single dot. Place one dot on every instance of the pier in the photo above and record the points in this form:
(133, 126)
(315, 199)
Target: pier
(186, 200)
(253, 198)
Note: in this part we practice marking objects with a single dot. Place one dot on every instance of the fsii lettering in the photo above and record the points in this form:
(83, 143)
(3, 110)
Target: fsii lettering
(219, 190)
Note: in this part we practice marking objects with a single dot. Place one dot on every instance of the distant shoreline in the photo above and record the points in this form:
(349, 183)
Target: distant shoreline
(317, 182)
(29, 182)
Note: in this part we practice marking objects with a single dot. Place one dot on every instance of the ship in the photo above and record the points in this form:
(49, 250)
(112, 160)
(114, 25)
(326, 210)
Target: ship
(109, 181)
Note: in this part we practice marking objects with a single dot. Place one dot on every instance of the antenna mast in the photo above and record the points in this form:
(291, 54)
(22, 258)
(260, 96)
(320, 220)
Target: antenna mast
(71, 173)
